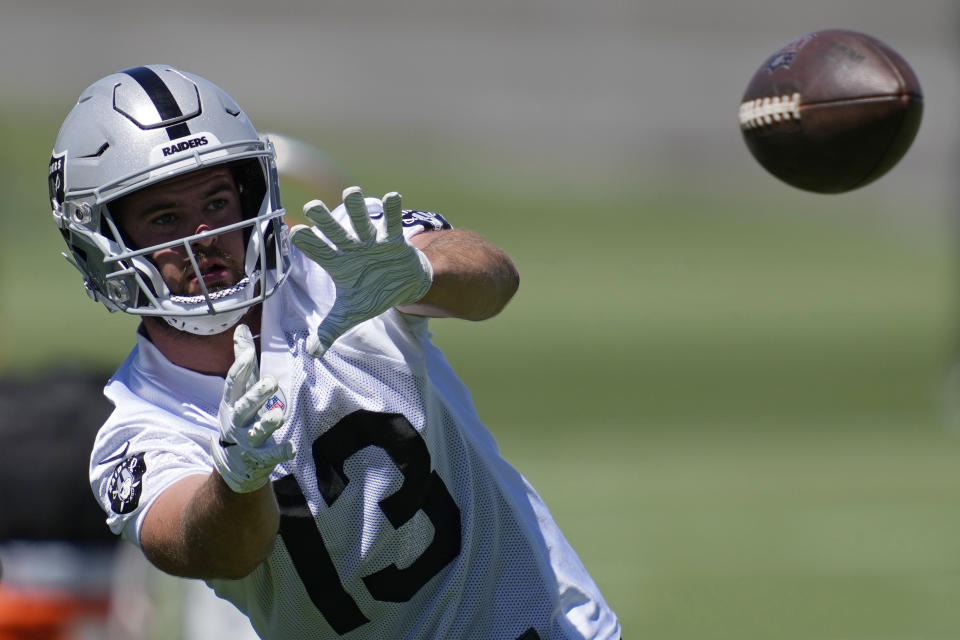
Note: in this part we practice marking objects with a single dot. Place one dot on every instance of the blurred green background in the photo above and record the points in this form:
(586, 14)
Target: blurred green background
(736, 398)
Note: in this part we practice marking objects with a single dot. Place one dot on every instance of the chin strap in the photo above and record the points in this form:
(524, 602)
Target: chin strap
(215, 321)
(207, 325)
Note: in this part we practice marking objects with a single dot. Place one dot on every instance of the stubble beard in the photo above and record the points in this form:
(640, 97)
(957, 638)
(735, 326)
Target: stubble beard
(188, 274)
(181, 286)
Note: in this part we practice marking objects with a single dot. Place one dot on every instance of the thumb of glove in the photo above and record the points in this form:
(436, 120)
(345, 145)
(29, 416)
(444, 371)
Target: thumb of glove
(317, 347)
(334, 325)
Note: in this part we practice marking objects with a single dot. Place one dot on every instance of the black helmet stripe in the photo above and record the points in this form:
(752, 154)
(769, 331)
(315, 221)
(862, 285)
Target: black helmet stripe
(162, 99)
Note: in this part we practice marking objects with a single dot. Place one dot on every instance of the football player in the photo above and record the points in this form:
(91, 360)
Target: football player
(284, 429)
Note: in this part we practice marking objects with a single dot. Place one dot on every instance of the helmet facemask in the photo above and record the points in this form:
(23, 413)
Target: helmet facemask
(213, 309)
(122, 276)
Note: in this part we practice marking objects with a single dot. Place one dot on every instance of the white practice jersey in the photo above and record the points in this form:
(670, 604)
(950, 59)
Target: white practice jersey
(399, 519)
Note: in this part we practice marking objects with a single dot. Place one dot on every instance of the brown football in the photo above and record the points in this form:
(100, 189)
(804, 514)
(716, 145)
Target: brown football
(831, 111)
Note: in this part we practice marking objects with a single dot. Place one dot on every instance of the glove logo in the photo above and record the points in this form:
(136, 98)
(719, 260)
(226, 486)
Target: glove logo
(276, 401)
(125, 484)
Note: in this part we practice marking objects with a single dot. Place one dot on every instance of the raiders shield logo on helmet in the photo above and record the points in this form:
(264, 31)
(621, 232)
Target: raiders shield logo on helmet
(56, 180)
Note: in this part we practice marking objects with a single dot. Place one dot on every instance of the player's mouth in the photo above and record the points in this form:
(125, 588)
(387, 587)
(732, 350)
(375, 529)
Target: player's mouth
(215, 274)
(213, 279)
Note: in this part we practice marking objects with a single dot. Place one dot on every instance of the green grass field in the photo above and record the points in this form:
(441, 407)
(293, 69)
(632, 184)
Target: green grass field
(737, 411)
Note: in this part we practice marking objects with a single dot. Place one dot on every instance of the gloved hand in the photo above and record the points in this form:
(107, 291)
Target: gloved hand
(244, 454)
(374, 271)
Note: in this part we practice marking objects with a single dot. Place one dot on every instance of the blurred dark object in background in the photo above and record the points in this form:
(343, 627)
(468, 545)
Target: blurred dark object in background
(57, 552)
(47, 425)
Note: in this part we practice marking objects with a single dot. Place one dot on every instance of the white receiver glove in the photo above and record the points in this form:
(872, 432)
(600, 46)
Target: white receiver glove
(373, 271)
(245, 454)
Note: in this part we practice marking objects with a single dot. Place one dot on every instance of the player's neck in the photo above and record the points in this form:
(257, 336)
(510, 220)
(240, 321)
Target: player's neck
(210, 355)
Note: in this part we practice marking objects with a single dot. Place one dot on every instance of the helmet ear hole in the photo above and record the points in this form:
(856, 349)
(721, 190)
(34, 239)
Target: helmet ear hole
(107, 230)
(248, 174)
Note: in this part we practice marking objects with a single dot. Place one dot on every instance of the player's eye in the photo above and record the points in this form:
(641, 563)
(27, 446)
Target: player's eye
(217, 204)
(163, 219)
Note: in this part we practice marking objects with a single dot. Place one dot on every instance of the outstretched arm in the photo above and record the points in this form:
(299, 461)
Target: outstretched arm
(200, 528)
(222, 525)
(375, 268)
(472, 279)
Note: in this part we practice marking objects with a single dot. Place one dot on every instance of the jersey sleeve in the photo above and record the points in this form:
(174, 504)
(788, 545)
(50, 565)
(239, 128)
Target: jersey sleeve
(139, 453)
(414, 221)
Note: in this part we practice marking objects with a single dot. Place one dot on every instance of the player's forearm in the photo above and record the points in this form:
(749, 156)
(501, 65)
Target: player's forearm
(205, 530)
(472, 278)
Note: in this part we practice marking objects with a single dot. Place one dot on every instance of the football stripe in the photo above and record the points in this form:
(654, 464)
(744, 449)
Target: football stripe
(162, 99)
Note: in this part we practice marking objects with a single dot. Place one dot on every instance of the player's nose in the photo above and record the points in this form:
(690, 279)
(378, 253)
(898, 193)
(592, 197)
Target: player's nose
(206, 241)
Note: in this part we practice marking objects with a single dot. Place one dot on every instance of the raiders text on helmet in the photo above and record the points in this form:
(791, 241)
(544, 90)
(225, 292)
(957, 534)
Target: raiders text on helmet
(134, 129)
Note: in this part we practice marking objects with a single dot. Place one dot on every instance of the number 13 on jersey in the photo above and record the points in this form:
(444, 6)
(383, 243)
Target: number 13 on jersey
(422, 490)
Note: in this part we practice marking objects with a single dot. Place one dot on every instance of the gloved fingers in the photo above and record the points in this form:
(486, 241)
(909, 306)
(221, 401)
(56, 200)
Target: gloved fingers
(244, 365)
(273, 454)
(319, 342)
(266, 455)
(393, 211)
(264, 427)
(306, 239)
(315, 210)
(246, 407)
(246, 469)
(359, 216)
(321, 217)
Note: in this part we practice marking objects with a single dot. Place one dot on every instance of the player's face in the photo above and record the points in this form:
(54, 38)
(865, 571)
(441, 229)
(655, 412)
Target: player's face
(190, 204)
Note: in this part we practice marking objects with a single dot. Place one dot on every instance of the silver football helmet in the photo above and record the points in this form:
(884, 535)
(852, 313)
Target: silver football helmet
(138, 127)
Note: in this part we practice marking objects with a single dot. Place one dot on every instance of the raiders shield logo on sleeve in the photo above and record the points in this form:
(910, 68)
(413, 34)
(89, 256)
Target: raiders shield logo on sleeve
(125, 485)
(429, 220)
